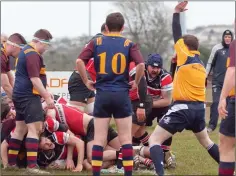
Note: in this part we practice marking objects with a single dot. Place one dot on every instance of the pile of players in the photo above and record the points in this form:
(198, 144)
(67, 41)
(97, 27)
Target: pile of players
(51, 132)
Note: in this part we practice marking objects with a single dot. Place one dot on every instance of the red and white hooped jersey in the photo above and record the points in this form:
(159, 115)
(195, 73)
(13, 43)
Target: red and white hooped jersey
(59, 99)
(91, 69)
(70, 116)
(163, 82)
(133, 93)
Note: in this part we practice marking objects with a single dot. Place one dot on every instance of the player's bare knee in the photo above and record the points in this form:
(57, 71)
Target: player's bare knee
(35, 129)
(125, 139)
(19, 132)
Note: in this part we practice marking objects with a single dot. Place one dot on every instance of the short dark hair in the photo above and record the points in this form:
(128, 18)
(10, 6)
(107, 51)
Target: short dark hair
(43, 34)
(5, 109)
(103, 27)
(17, 38)
(191, 42)
(115, 22)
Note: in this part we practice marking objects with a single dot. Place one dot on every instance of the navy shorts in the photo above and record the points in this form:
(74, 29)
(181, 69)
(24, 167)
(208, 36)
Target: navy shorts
(227, 126)
(78, 90)
(156, 113)
(184, 115)
(29, 109)
(108, 104)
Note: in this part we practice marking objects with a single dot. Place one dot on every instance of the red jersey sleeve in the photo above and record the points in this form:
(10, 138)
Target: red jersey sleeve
(5, 67)
(51, 124)
(166, 83)
(61, 137)
(135, 54)
(33, 62)
(87, 52)
(91, 69)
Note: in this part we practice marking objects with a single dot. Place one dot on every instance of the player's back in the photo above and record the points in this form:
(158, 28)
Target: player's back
(70, 116)
(111, 61)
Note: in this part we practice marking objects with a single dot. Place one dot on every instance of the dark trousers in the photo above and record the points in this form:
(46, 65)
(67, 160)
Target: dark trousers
(216, 91)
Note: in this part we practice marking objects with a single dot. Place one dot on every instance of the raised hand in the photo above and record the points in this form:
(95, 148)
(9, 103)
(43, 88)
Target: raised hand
(181, 7)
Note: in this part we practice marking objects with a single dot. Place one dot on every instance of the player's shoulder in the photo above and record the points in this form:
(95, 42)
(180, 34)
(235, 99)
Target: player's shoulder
(165, 75)
(29, 50)
(60, 138)
(217, 47)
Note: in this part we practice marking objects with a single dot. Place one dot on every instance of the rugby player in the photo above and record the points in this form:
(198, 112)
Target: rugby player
(217, 63)
(80, 96)
(82, 124)
(112, 54)
(55, 146)
(188, 109)
(11, 47)
(30, 86)
(159, 87)
(227, 126)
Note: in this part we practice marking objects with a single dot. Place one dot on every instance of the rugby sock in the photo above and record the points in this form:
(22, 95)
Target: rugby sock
(213, 150)
(127, 154)
(147, 162)
(157, 155)
(135, 141)
(226, 168)
(31, 145)
(119, 159)
(144, 138)
(97, 157)
(166, 145)
(14, 147)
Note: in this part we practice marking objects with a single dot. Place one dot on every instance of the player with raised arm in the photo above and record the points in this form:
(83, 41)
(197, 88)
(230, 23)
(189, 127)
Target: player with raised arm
(30, 86)
(188, 109)
(112, 54)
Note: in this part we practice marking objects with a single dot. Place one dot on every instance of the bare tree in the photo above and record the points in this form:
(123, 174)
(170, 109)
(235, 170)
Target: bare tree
(148, 24)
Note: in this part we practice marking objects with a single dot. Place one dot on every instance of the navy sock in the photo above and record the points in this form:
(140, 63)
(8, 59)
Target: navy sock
(213, 150)
(157, 155)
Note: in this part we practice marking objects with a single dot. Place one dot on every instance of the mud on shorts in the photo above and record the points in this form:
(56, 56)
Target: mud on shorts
(78, 90)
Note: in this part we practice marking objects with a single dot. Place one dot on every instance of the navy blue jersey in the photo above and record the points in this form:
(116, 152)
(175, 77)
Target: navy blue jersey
(29, 64)
(112, 55)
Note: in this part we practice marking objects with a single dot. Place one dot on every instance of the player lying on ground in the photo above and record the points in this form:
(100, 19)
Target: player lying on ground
(82, 124)
(55, 146)
(188, 109)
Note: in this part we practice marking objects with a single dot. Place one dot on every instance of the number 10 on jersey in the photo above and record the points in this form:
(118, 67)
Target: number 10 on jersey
(114, 63)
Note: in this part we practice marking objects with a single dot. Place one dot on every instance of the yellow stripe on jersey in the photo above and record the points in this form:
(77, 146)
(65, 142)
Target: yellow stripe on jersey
(232, 92)
(127, 42)
(29, 50)
(35, 91)
(99, 41)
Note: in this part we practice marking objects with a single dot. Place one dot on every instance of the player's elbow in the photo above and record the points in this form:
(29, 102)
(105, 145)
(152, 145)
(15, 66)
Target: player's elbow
(140, 66)
(79, 61)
